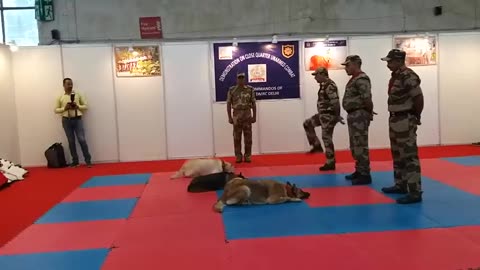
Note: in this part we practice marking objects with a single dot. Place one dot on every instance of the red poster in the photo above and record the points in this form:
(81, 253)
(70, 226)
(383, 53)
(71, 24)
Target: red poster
(150, 27)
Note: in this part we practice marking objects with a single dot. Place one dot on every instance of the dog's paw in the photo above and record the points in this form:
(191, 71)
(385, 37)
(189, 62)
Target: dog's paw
(295, 199)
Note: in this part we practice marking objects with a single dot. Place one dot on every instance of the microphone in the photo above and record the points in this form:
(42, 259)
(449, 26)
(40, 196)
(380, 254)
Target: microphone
(72, 99)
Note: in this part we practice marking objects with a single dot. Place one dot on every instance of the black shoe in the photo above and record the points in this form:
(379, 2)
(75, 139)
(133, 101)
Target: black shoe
(247, 159)
(327, 167)
(239, 160)
(395, 190)
(74, 164)
(352, 176)
(89, 165)
(362, 180)
(413, 197)
(316, 149)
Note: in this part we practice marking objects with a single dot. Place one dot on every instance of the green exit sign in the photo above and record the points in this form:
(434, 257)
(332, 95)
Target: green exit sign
(44, 10)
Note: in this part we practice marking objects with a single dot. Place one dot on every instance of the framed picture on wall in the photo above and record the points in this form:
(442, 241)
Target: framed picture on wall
(137, 61)
(329, 54)
(421, 51)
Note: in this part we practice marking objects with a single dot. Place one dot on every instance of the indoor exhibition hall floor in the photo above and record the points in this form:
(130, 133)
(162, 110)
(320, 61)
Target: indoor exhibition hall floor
(118, 220)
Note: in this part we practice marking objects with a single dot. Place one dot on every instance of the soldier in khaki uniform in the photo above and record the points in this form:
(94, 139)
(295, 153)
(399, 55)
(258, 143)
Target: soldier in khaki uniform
(241, 98)
(328, 107)
(405, 104)
(357, 102)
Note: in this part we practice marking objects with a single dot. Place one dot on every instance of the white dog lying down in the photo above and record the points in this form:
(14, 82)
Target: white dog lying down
(202, 166)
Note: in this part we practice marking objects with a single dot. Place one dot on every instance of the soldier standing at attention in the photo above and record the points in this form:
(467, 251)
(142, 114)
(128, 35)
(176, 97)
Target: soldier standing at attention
(241, 98)
(328, 106)
(405, 104)
(357, 102)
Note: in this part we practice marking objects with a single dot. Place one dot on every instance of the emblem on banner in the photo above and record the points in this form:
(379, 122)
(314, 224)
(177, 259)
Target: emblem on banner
(288, 51)
(257, 73)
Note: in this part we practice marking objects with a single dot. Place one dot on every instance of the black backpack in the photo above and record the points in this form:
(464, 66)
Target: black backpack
(55, 156)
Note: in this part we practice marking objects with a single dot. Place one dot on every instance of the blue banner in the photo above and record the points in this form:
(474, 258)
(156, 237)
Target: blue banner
(271, 69)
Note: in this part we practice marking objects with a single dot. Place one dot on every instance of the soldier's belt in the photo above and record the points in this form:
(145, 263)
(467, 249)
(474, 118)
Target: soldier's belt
(354, 110)
(401, 113)
(327, 112)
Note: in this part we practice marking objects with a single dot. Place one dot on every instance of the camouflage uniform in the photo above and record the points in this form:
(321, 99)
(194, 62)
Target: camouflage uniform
(403, 87)
(326, 117)
(357, 94)
(242, 101)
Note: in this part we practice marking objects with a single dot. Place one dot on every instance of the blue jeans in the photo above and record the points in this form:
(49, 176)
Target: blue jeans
(74, 126)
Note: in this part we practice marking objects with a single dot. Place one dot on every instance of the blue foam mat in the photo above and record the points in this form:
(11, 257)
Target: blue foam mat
(89, 211)
(443, 206)
(465, 161)
(117, 180)
(71, 260)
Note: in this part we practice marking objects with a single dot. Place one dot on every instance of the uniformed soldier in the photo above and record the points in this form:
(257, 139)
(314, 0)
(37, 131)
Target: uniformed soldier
(357, 102)
(241, 98)
(405, 104)
(328, 107)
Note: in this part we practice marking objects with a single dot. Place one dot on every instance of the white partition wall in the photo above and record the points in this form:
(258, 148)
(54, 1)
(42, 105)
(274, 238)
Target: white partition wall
(188, 104)
(174, 115)
(90, 68)
(141, 117)
(38, 82)
(9, 148)
(460, 88)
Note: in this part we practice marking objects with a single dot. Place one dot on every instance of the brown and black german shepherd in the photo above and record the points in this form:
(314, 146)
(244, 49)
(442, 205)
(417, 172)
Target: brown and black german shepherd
(240, 191)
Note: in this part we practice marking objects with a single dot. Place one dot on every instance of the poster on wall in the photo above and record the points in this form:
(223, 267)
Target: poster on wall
(137, 61)
(329, 54)
(271, 69)
(421, 51)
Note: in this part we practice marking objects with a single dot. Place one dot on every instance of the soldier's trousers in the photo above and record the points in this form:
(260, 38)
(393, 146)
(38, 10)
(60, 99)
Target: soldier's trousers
(358, 124)
(327, 122)
(403, 144)
(242, 123)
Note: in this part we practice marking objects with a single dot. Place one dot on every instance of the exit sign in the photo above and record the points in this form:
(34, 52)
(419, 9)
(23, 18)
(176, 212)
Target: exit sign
(44, 10)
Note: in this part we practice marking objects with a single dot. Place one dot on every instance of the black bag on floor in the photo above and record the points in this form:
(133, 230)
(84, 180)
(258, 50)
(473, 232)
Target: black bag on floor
(55, 156)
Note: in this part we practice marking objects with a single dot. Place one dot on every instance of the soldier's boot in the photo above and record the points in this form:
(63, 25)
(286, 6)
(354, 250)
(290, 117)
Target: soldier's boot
(329, 166)
(317, 148)
(352, 176)
(413, 196)
(239, 159)
(247, 159)
(362, 179)
(396, 189)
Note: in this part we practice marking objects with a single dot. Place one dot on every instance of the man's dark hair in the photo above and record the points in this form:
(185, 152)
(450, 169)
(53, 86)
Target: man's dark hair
(66, 79)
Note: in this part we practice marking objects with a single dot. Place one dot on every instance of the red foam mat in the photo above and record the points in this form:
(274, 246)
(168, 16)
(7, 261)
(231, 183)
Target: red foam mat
(200, 230)
(105, 193)
(455, 175)
(64, 237)
(438, 248)
(342, 196)
(398, 250)
(162, 256)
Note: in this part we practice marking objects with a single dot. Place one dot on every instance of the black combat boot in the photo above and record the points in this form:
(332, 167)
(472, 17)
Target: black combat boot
(316, 149)
(328, 167)
(413, 196)
(396, 189)
(352, 176)
(362, 179)
(239, 159)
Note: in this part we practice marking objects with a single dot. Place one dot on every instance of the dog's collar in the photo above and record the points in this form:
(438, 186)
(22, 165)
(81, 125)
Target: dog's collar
(289, 192)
